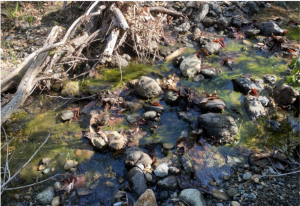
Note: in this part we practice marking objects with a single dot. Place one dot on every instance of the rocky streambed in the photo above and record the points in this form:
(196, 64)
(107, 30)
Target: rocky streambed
(217, 125)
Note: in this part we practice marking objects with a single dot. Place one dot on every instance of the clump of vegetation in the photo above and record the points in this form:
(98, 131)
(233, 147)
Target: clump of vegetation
(294, 78)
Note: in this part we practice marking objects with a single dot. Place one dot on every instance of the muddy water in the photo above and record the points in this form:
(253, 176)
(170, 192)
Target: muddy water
(34, 122)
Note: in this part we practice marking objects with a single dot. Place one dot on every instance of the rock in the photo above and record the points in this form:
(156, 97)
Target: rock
(282, 4)
(208, 72)
(131, 119)
(168, 145)
(118, 62)
(263, 100)
(223, 23)
(85, 150)
(70, 164)
(24, 25)
(135, 155)
(235, 203)
(252, 33)
(171, 96)
(201, 14)
(161, 170)
(182, 39)
(187, 164)
(70, 88)
(220, 126)
(254, 108)
(168, 183)
(245, 42)
(196, 34)
(275, 125)
(232, 191)
(220, 195)
(212, 48)
(137, 181)
(204, 40)
(191, 4)
(157, 109)
(208, 22)
(256, 180)
(212, 105)
(284, 95)
(269, 78)
(132, 106)
(190, 66)
(146, 199)
(269, 28)
(193, 197)
(183, 28)
(247, 176)
(46, 160)
(147, 87)
(174, 170)
(150, 115)
(57, 185)
(236, 22)
(41, 167)
(99, 143)
(116, 140)
(218, 10)
(244, 85)
(84, 191)
(148, 177)
(55, 201)
(198, 78)
(165, 51)
(67, 115)
(253, 8)
(46, 196)
(46, 171)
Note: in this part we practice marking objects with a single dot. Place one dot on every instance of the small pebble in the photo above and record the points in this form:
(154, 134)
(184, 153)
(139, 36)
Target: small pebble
(256, 180)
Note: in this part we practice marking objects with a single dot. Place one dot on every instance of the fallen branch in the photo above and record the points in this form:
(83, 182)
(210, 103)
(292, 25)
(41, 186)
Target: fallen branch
(166, 11)
(71, 97)
(22, 187)
(11, 178)
(121, 19)
(30, 58)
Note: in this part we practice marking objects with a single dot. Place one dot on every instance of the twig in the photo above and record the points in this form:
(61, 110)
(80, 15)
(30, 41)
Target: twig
(16, 188)
(273, 165)
(120, 67)
(61, 105)
(4, 184)
(71, 97)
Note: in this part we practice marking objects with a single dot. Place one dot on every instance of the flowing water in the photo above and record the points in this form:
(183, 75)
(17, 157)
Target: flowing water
(32, 123)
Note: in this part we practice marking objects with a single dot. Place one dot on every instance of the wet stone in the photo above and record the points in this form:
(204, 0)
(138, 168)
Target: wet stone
(232, 191)
(147, 87)
(235, 203)
(247, 176)
(187, 164)
(84, 191)
(137, 181)
(146, 199)
(168, 183)
(46, 196)
(70, 164)
(208, 72)
(168, 145)
(269, 28)
(190, 66)
(171, 96)
(55, 201)
(198, 78)
(67, 115)
(269, 78)
(254, 108)
(193, 197)
(161, 170)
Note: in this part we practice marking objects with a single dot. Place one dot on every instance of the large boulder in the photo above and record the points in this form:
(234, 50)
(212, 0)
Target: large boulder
(193, 197)
(222, 127)
(254, 108)
(201, 14)
(137, 181)
(244, 85)
(269, 28)
(146, 199)
(147, 87)
(134, 156)
(284, 95)
(190, 66)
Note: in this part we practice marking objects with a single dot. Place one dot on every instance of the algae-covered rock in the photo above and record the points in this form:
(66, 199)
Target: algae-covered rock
(70, 88)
